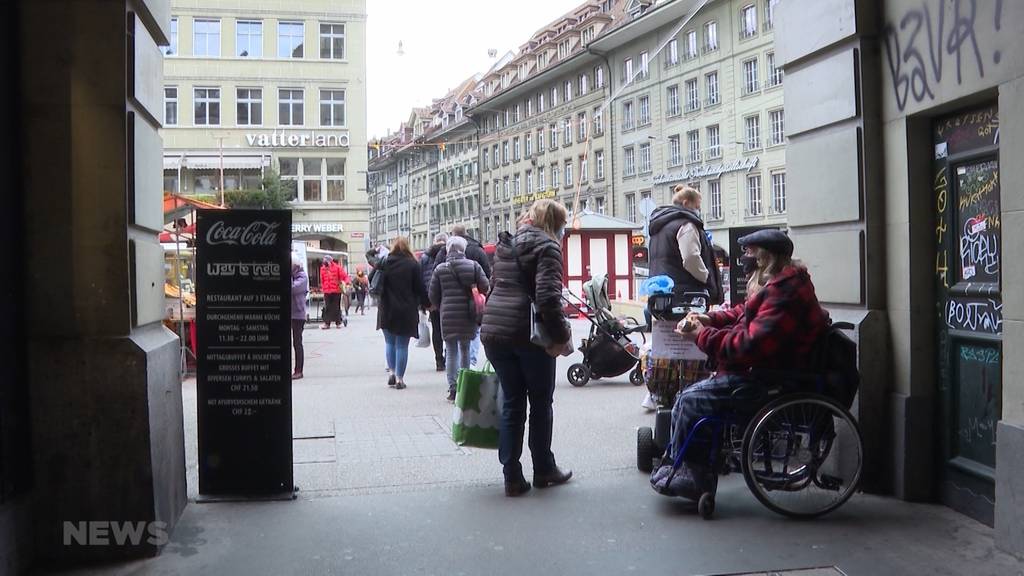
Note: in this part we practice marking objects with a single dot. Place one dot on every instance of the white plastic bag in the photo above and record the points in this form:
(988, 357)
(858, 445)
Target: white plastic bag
(424, 338)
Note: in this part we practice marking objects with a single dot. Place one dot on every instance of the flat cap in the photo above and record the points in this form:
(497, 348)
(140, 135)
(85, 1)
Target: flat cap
(775, 241)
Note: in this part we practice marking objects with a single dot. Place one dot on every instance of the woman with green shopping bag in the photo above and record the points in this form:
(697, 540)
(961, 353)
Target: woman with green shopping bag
(528, 275)
(451, 292)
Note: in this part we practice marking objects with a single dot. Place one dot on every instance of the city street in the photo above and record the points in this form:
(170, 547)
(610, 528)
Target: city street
(385, 491)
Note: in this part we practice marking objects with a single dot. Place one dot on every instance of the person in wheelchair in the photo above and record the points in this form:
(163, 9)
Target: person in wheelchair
(774, 330)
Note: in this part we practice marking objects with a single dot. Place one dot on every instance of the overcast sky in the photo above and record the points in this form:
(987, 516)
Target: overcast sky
(445, 42)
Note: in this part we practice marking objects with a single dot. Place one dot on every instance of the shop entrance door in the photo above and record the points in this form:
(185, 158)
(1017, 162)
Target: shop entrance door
(966, 189)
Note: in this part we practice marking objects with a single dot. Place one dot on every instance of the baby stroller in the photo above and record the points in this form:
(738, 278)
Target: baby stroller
(607, 350)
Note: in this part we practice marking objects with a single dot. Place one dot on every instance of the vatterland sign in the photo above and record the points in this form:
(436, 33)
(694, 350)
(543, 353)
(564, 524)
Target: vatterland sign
(243, 276)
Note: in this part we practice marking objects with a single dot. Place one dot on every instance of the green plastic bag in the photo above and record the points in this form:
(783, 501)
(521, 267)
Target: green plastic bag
(477, 408)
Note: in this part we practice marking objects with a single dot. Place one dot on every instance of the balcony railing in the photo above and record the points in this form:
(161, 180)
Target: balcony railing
(748, 32)
(709, 48)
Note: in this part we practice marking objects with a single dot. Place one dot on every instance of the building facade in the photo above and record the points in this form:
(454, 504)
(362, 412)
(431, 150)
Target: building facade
(250, 87)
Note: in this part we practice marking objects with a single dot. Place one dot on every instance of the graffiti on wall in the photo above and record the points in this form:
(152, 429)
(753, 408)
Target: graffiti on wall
(975, 315)
(919, 45)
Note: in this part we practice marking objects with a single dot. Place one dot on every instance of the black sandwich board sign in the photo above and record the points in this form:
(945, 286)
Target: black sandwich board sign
(737, 279)
(243, 336)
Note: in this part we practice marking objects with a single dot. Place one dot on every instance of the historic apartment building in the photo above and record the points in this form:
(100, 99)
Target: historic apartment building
(250, 86)
(700, 104)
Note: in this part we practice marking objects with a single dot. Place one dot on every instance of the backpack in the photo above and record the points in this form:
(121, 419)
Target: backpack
(836, 358)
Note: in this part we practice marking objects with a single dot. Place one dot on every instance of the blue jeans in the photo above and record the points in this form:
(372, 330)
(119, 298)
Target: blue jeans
(396, 351)
(711, 397)
(457, 357)
(525, 373)
(474, 348)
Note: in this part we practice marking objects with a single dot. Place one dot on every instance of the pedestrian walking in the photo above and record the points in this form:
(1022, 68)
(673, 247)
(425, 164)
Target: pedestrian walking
(451, 296)
(429, 261)
(402, 297)
(474, 251)
(360, 285)
(300, 289)
(527, 269)
(331, 284)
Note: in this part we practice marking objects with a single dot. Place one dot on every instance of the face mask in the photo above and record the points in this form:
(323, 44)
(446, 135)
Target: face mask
(749, 264)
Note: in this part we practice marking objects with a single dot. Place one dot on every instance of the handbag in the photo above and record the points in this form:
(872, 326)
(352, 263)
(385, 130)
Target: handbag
(477, 410)
(423, 339)
(377, 279)
(538, 331)
(476, 299)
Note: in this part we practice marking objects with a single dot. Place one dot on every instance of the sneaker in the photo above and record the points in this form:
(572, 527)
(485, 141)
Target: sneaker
(649, 404)
(400, 385)
(392, 381)
(554, 478)
(451, 395)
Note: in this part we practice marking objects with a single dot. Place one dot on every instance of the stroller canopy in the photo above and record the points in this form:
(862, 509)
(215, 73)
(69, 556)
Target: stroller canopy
(596, 291)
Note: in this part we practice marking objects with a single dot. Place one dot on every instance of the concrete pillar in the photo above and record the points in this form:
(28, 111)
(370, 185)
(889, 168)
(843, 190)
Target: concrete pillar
(107, 430)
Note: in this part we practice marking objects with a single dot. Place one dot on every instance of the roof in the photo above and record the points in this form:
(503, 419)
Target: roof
(589, 220)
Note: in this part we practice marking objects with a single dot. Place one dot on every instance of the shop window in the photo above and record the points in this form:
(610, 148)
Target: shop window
(335, 179)
(171, 181)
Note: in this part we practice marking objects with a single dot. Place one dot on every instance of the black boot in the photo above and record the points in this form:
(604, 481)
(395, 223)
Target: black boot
(516, 486)
(552, 478)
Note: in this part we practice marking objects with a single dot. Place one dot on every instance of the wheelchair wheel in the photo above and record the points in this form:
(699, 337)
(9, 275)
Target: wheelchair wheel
(578, 374)
(646, 451)
(802, 455)
(636, 377)
(706, 505)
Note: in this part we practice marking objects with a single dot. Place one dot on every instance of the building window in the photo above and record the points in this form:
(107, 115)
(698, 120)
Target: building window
(754, 195)
(515, 114)
(628, 161)
(627, 70)
(599, 205)
(568, 173)
(598, 121)
(599, 165)
(540, 140)
(584, 173)
(675, 156)
(290, 36)
(554, 176)
(643, 65)
(774, 73)
(172, 50)
(540, 102)
(715, 197)
(711, 83)
(289, 170)
(207, 106)
(714, 144)
(567, 91)
(672, 106)
(332, 41)
(206, 38)
(769, 14)
(752, 125)
(566, 131)
(506, 188)
(584, 84)
(529, 107)
(554, 96)
(335, 179)
(497, 191)
(312, 190)
(750, 83)
(777, 121)
(748, 21)
(486, 158)
(290, 108)
(504, 152)
(170, 106)
(541, 182)
(627, 115)
(645, 110)
(779, 193)
(692, 96)
(631, 207)
(691, 45)
(599, 77)
(249, 39)
(672, 55)
(515, 149)
(527, 145)
(529, 181)
(711, 36)
(581, 127)
(554, 135)
(693, 142)
(332, 107)
(645, 158)
(516, 188)
(249, 106)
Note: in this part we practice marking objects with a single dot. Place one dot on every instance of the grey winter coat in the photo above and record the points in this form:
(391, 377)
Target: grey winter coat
(506, 318)
(453, 299)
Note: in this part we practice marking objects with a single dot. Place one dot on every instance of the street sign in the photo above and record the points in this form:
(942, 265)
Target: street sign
(647, 206)
(243, 332)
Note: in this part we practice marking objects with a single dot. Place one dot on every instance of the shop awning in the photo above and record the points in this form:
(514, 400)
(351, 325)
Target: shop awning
(230, 162)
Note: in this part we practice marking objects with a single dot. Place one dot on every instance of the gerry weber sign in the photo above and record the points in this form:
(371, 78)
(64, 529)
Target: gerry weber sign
(307, 227)
(305, 140)
(712, 170)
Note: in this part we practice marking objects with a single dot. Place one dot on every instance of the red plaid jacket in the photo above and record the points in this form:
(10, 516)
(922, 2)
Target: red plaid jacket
(774, 329)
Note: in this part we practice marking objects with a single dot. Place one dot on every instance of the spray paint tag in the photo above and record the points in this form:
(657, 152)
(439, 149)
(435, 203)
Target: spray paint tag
(979, 226)
(968, 272)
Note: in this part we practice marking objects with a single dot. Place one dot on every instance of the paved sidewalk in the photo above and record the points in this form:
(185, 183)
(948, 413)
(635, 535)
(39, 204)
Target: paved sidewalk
(385, 491)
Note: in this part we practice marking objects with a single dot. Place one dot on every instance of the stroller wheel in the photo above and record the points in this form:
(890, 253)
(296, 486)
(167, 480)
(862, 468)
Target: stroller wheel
(578, 374)
(636, 378)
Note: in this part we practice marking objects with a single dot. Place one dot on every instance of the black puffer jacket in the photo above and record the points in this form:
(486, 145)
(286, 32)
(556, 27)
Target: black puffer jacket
(506, 318)
(475, 252)
(451, 295)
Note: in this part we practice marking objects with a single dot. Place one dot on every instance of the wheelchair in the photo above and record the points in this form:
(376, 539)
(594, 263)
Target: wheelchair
(801, 454)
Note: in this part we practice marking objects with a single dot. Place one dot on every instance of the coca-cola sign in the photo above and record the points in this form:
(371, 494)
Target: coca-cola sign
(258, 233)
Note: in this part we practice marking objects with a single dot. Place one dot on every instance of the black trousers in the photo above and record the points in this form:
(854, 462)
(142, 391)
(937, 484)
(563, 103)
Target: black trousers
(300, 354)
(435, 336)
(332, 308)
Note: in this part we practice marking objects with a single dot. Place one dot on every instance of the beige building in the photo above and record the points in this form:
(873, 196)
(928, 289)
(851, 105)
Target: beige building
(704, 110)
(249, 87)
